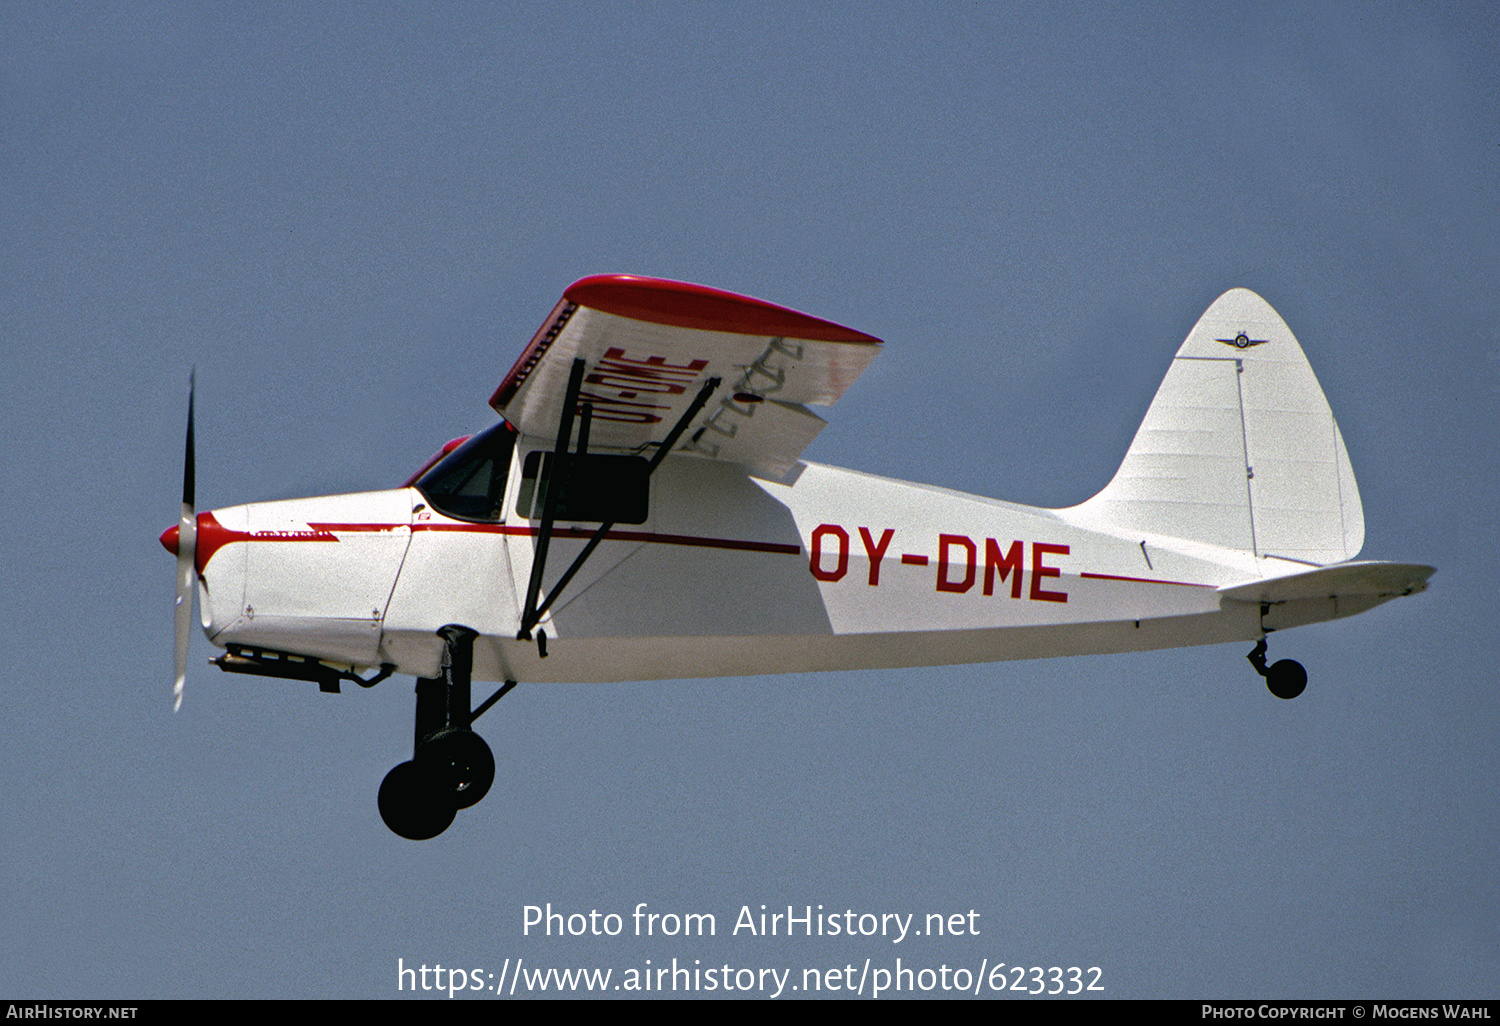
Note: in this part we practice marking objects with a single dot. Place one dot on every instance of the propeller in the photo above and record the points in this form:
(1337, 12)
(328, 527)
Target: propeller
(187, 554)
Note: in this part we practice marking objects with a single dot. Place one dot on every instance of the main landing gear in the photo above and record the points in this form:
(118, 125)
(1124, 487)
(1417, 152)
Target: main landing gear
(1285, 678)
(451, 766)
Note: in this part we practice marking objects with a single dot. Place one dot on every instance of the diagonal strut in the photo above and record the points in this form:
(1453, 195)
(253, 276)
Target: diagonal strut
(534, 613)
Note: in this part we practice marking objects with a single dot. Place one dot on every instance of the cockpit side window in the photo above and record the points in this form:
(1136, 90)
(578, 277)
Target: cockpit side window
(595, 488)
(469, 483)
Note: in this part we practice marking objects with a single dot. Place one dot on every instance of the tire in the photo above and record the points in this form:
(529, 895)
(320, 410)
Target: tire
(461, 764)
(412, 804)
(1286, 679)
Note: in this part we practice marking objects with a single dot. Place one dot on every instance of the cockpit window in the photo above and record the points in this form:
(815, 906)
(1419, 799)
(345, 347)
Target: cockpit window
(469, 483)
(596, 488)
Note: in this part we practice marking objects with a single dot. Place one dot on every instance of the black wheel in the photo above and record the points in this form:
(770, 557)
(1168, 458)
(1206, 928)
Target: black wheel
(461, 764)
(412, 804)
(1286, 679)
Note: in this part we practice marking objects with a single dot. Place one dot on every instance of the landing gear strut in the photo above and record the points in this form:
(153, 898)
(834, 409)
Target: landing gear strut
(1285, 678)
(451, 766)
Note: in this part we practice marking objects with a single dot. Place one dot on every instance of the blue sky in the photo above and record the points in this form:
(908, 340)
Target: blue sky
(351, 218)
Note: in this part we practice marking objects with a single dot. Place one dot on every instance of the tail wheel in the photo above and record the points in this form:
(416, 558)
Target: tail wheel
(1286, 678)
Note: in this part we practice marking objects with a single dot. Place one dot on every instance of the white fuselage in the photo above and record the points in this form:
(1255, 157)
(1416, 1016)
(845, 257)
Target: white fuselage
(730, 574)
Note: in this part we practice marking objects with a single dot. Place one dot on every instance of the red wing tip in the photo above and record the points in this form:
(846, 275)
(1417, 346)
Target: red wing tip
(681, 304)
(169, 538)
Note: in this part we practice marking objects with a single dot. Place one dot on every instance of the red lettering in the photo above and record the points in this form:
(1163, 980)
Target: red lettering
(655, 363)
(632, 377)
(1038, 571)
(946, 541)
(630, 385)
(613, 408)
(608, 400)
(876, 552)
(625, 416)
(842, 568)
(1009, 565)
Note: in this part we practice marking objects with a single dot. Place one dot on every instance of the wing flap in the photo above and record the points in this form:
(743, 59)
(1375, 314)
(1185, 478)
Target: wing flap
(767, 437)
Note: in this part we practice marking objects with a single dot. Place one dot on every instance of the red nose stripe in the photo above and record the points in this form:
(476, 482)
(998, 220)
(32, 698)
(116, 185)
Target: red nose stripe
(213, 536)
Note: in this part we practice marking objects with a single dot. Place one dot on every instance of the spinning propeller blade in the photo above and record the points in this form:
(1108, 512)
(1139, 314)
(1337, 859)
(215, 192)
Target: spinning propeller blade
(187, 552)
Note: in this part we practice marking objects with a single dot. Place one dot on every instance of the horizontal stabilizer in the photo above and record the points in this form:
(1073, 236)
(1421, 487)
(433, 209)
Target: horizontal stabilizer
(1367, 579)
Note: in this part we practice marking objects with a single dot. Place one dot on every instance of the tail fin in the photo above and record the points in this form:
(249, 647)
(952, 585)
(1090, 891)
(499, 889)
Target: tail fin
(1239, 447)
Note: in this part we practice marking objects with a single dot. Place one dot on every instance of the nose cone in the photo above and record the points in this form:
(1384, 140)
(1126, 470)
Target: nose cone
(169, 538)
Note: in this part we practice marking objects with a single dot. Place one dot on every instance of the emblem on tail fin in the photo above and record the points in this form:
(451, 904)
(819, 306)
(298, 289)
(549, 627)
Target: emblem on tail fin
(1243, 341)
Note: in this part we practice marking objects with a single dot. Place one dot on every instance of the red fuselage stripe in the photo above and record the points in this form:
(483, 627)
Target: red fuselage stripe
(777, 548)
(1144, 580)
(212, 536)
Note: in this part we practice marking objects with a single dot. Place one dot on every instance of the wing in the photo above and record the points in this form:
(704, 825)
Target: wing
(649, 345)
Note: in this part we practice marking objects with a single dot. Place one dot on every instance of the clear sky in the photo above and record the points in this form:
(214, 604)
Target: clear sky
(351, 218)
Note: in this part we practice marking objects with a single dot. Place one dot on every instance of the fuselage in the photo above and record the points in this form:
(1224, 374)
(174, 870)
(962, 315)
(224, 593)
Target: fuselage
(725, 574)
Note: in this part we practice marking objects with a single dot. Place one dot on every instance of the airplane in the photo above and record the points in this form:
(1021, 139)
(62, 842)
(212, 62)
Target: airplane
(642, 512)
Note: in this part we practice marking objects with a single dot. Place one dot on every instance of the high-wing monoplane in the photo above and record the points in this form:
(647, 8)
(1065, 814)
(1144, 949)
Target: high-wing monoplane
(642, 511)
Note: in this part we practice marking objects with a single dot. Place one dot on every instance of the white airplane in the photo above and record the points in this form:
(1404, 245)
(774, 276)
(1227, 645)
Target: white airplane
(642, 512)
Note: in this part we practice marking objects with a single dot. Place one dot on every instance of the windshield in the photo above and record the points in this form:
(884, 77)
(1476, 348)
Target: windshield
(469, 483)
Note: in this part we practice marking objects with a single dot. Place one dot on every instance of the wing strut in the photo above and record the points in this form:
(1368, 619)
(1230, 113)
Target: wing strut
(534, 611)
(530, 615)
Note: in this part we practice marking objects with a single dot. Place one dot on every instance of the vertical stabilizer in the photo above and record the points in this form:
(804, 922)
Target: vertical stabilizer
(1239, 447)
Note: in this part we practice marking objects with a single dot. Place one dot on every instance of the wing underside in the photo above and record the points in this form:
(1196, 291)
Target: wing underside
(648, 347)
